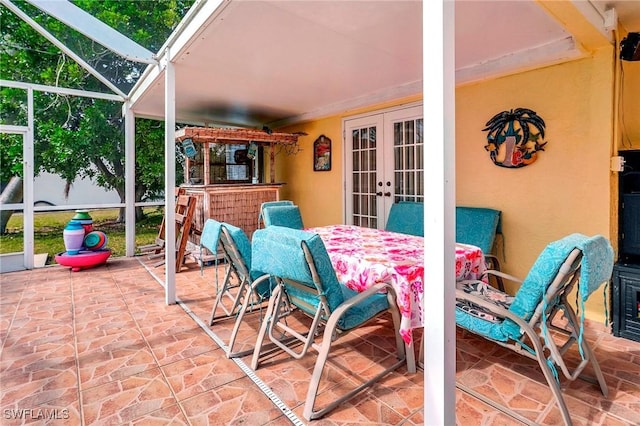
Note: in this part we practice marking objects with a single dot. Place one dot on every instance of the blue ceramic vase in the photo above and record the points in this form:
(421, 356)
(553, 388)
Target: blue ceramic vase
(73, 236)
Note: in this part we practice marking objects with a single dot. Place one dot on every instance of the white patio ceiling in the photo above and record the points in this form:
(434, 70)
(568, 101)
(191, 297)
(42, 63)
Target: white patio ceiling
(250, 63)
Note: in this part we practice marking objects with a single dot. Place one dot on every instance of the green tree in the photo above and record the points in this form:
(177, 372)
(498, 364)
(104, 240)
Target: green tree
(78, 137)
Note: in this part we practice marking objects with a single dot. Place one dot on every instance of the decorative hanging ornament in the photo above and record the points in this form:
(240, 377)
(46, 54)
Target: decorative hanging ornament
(515, 137)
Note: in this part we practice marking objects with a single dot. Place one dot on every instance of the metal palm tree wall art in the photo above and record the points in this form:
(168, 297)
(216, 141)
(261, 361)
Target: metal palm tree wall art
(512, 138)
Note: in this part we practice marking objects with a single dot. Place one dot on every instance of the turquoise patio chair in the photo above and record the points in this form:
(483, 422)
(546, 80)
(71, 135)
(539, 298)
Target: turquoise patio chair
(287, 216)
(306, 280)
(406, 217)
(524, 323)
(479, 226)
(268, 204)
(242, 288)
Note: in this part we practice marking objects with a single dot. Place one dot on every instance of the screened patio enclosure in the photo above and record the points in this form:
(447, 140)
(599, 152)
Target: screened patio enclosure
(251, 64)
(40, 15)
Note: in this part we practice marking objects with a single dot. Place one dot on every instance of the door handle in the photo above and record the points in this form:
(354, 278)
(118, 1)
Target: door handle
(387, 194)
(379, 193)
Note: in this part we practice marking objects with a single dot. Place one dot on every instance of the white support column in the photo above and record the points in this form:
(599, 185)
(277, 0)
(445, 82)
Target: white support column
(439, 330)
(448, 317)
(29, 171)
(170, 179)
(129, 178)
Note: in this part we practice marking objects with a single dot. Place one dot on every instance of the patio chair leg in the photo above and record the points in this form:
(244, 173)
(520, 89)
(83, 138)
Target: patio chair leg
(221, 292)
(572, 318)
(314, 383)
(236, 326)
(276, 295)
(548, 375)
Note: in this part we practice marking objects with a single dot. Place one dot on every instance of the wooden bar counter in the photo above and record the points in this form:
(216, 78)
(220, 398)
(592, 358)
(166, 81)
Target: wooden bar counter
(231, 172)
(237, 204)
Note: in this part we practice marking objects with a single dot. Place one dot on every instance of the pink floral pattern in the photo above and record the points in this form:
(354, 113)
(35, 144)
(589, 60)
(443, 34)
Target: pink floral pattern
(363, 257)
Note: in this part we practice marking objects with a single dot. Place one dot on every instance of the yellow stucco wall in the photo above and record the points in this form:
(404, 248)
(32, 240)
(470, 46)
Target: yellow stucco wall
(568, 188)
(320, 194)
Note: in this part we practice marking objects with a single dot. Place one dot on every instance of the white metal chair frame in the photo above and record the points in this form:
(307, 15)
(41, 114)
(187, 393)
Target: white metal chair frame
(540, 336)
(242, 294)
(275, 319)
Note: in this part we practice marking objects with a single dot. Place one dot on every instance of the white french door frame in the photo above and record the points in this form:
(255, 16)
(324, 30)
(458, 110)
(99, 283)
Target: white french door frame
(366, 186)
(382, 182)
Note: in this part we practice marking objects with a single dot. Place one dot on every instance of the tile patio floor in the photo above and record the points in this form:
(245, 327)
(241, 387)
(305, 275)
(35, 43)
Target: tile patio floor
(101, 347)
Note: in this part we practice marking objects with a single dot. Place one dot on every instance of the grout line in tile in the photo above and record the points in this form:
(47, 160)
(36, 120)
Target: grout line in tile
(275, 399)
(75, 348)
(155, 358)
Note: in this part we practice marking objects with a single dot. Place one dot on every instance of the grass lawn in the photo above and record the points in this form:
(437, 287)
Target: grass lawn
(49, 227)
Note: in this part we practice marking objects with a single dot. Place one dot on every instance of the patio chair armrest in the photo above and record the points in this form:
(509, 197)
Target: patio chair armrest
(340, 310)
(502, 275)
(377, 288)
(497, 310)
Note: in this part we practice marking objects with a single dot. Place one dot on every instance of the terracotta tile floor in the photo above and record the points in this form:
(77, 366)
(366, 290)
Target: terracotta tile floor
(100, 346)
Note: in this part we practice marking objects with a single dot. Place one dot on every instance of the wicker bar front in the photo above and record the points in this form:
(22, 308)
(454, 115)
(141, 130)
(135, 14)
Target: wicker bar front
(238, 205)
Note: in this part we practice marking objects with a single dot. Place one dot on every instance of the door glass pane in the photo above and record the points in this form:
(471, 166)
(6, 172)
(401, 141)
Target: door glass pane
(364, 175)
(397, 133)
(408, 162)
(372, 182)
(398, 186)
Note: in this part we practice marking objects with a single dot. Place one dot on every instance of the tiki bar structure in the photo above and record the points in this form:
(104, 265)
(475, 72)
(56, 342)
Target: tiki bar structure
(226, 170)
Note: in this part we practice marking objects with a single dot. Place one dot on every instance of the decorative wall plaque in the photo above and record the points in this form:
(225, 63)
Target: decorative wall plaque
(515, 137)
(322, 154)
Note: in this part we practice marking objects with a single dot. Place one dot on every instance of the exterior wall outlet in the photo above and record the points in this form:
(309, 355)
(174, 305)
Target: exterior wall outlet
(617, 164)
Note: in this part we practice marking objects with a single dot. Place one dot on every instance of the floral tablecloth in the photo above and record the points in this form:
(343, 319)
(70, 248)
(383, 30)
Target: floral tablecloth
(364, 256)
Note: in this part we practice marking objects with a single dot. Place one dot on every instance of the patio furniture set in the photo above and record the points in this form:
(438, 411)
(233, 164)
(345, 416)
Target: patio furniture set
(344, 276)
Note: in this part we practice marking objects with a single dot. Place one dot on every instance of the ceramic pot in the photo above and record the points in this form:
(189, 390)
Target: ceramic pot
(96, 240)
(85, 220)
(73, 236)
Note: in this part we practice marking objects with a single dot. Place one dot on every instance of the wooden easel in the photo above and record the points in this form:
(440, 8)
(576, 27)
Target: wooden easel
(185, 210)
(158, 245)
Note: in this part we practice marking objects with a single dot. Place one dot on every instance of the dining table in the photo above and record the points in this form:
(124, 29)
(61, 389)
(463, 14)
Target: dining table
(364, 256)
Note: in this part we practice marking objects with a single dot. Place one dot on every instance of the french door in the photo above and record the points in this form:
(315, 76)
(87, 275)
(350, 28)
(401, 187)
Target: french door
(383, 164)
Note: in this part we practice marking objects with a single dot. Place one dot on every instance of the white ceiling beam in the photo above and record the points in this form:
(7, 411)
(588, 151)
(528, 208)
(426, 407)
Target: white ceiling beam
(192, 23)
(580, 19)
(548, 54)
(93, 28)
(61, 90)
(595, 17)
(391, 93)
(61, 46)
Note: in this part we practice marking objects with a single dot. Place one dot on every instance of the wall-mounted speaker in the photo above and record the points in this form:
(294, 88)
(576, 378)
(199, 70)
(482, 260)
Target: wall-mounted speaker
(630, 47)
